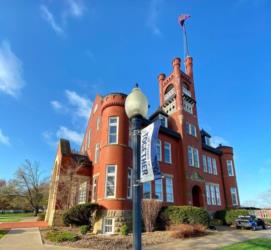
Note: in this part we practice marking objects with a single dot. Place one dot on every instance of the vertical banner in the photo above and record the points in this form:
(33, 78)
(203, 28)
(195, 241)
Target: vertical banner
(149, 166)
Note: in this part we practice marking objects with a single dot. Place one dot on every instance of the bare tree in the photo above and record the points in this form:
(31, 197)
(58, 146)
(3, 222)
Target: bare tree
(28, 184)
(150, 210)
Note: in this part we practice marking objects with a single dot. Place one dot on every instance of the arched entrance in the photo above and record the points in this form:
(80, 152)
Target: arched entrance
(197, 196)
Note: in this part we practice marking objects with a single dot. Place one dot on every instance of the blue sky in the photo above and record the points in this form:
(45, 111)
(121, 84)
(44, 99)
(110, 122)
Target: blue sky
(56, 55)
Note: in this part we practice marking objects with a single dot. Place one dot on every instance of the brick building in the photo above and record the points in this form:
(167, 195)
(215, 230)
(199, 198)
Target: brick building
(195, 173)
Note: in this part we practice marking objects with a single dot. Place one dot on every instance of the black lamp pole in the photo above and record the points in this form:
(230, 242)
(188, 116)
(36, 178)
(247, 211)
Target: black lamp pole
(136, 126)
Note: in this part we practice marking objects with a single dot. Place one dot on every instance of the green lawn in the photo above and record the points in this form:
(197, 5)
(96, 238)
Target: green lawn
(14, 217)
(256, 244)
(2, 233)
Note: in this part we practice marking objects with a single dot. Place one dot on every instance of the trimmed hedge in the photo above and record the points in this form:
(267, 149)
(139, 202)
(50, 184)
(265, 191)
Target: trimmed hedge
(232, 215)
(174, 215)
(81, 214)
(60, 236)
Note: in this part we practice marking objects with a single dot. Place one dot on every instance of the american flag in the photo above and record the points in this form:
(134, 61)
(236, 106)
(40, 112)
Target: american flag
(182, 18)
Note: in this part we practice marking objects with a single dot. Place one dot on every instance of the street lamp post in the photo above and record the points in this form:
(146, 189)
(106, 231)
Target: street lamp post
(136, 107)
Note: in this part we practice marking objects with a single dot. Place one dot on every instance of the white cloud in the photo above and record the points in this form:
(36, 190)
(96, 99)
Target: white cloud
(4, 139)
(68, 134)
(216, 140)
(56, 105)
(49, 138)
(76, 8)
(11, 80)
(49, 17)
(82, 105)
(71, 9)
(153, 15)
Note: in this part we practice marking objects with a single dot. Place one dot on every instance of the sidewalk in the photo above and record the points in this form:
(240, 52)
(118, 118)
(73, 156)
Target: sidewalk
(27, 239)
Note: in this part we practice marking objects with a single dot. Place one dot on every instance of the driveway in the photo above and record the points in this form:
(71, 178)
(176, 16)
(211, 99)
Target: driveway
(214, 240)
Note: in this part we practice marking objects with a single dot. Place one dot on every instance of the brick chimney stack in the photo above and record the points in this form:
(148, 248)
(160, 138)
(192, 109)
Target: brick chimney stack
(189, 66)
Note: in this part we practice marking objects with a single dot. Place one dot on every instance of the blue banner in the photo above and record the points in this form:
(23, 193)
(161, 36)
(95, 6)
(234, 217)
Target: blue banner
(149, 166)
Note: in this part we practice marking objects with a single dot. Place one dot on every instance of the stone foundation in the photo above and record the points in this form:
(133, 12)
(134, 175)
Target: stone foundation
(121, 217)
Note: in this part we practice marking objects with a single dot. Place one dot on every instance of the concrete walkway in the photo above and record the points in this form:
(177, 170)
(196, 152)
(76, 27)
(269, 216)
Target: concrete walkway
(27, 239)
(214, 240)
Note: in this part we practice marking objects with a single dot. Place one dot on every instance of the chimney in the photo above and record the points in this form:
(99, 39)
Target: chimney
(189, 66)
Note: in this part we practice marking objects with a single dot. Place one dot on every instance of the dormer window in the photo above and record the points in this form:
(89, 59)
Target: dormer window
(164, 120)
(208, 141)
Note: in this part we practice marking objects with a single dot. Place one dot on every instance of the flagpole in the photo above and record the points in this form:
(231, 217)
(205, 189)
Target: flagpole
(186, 51)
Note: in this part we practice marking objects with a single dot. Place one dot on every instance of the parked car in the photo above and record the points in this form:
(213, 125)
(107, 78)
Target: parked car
(249, 221)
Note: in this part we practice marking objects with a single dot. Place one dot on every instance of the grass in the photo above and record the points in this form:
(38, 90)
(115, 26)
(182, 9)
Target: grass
(2, 233)
(60, 236)
(14, 217)
(256, 244)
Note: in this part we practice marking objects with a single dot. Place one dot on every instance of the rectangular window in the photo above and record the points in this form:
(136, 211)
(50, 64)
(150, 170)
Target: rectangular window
(94, 188)
(234, 197)
(82, 198)
(158, 189)
(213, 198)
(214, 166)
(217, 194)
(147, 190)
(188, 107)
(88, 138)
(169, 189)
(190, 129)
(164, 120)
(193, 157)
(97, 153)
(108, 226)
(213, 194)
(98, 123)
(167, 152)
(209, 163)
(159, 150)
(190, 156)
(110, 190)
(207, 141)
(204, 160)
(113, 130)
(208, 196)
(129, 184)
(230, 168)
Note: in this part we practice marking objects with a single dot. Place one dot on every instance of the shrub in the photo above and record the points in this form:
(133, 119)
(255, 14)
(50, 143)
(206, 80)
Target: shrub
(41, 217)
(82, 214)
(124, 230)
(185, 215)
(186, 230)
(84, 229)
(231, 215)
(216, 222)
(150, 211)
(59, 236)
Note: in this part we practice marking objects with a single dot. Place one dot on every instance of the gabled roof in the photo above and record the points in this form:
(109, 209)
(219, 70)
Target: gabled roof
(204, 133)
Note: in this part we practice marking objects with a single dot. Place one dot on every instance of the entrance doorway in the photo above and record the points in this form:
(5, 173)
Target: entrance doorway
(197, 196)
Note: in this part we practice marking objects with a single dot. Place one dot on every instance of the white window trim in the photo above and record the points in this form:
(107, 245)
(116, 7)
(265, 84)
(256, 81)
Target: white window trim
(204, 162)
(83, 189)
(209, 197)
(113, 226)
(214, 166)
(117, 130)
(236, 196)
(162, 190)
(170, 177)
(232, 170)
(170, 155)
(97, 153)
(209, 165)
(160, 150)
(188, 107)
(115, 188)
(131, 185)
(193, 150)
(164, 118)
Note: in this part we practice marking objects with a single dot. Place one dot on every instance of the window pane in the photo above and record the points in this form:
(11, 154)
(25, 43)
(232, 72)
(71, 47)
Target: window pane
(169, 189)
(196, 157)
(204, 163)
(147, 190)
(190, 156)
(167, 152)
(217, 192)
(110, 181)
(158, 149)
(209, 161)
(208, 196)
(213, 194)
(158, 189)
(214, 166)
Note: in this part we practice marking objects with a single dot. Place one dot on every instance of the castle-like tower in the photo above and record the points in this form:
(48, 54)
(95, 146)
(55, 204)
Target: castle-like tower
(195, 173)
